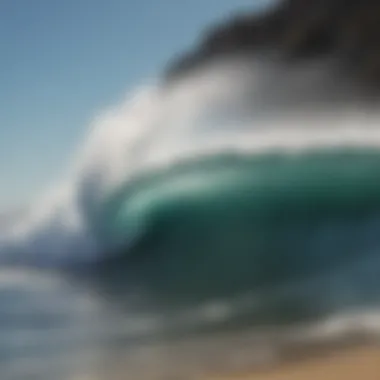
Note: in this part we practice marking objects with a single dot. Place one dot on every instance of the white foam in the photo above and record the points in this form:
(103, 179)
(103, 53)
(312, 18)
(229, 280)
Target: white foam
(230, 107)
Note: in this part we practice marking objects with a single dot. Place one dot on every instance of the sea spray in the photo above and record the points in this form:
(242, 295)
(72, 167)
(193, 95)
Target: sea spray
(216, 110)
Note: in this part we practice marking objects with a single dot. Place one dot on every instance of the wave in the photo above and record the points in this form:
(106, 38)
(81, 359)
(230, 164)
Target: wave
(268, 183)
(219, 204)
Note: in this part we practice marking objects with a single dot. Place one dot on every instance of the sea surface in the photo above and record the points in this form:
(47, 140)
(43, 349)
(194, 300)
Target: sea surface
(269, 245)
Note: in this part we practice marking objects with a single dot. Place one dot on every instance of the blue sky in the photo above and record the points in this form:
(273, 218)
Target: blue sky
(63, 61)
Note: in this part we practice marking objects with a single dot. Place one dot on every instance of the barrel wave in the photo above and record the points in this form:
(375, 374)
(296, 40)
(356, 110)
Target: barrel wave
(209, 189)
(228, 224)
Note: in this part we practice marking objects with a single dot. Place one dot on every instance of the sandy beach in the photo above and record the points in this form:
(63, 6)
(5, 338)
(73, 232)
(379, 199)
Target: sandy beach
(347, 364)
(353, 364)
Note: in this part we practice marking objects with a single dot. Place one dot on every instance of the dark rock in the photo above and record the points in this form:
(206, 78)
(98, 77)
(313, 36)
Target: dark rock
(297, 29)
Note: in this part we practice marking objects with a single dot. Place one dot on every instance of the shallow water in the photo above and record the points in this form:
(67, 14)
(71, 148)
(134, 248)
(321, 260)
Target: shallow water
(57, 326)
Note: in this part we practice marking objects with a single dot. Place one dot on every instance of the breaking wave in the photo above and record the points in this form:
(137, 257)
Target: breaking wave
(212, 172)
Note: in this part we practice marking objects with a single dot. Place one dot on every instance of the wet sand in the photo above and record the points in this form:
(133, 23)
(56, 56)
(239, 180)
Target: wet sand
(348, 364)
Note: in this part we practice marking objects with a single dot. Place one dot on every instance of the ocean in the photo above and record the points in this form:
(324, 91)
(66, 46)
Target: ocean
(199, 229)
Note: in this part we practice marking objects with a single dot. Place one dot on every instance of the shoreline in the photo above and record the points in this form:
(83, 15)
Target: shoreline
(345, 364)
(232, 357)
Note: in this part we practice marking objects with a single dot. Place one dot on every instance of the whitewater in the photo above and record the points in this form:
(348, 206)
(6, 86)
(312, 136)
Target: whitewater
(227, 108)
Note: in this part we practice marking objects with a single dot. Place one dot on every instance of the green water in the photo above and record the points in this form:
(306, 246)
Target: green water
(227, 224)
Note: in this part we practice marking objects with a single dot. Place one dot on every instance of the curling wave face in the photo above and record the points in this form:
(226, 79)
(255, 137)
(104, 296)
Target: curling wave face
(231, 223)
(212, 183)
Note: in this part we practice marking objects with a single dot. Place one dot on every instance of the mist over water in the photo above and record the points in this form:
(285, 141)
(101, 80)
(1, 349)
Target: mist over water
(239, 106)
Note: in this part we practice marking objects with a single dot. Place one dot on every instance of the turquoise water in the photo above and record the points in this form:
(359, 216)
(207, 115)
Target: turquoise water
(229, 224)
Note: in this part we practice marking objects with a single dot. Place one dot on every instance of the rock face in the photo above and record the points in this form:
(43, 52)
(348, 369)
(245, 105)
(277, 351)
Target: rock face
(348, 30)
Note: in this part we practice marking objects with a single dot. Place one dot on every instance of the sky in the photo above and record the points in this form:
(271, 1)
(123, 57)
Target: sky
(64, 61)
